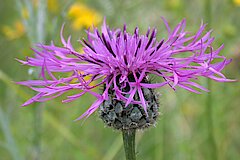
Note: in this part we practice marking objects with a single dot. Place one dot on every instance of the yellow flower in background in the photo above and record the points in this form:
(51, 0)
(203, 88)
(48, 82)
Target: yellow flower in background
(174, 4)
(86, 78)
(236, 2)
(53, 6)
(25, 13)
(80, 50)
(83, 16)
(15, 31)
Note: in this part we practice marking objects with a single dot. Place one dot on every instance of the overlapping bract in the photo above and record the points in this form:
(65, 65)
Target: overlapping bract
(109, 58)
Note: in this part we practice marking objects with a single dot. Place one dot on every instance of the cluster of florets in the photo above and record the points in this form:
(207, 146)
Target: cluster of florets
(121, 62)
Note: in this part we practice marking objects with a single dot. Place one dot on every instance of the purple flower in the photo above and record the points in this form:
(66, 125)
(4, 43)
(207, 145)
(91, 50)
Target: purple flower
(115, 59)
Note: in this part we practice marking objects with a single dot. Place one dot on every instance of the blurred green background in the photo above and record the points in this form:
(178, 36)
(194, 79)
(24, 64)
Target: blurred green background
(188, 129)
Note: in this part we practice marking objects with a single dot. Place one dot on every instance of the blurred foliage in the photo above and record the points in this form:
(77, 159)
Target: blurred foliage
(181, 132)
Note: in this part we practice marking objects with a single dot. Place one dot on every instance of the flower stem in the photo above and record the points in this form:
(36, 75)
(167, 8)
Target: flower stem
(209, 102)
(129, 143)
(37, 124)
(209, 117)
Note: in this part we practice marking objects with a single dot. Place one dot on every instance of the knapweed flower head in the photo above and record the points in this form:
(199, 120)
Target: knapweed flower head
(121, 62)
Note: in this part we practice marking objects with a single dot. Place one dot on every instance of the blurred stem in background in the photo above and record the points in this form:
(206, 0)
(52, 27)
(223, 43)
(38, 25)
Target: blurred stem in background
(212, 148)
(10, 144)
(165, 139)
(34, 20)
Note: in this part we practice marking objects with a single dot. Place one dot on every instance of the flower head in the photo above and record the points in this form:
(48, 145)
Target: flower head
(121, 62)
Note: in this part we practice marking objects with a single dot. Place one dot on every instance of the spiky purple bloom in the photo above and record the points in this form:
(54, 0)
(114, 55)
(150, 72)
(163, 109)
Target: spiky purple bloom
(115, 59)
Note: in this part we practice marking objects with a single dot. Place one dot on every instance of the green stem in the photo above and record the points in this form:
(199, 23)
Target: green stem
(209, 115)
(164, 138)
(37, 123)
(129, 143)
(208, 11)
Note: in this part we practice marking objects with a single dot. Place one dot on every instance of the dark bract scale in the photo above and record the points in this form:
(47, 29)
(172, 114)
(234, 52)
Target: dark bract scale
(132, 116)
